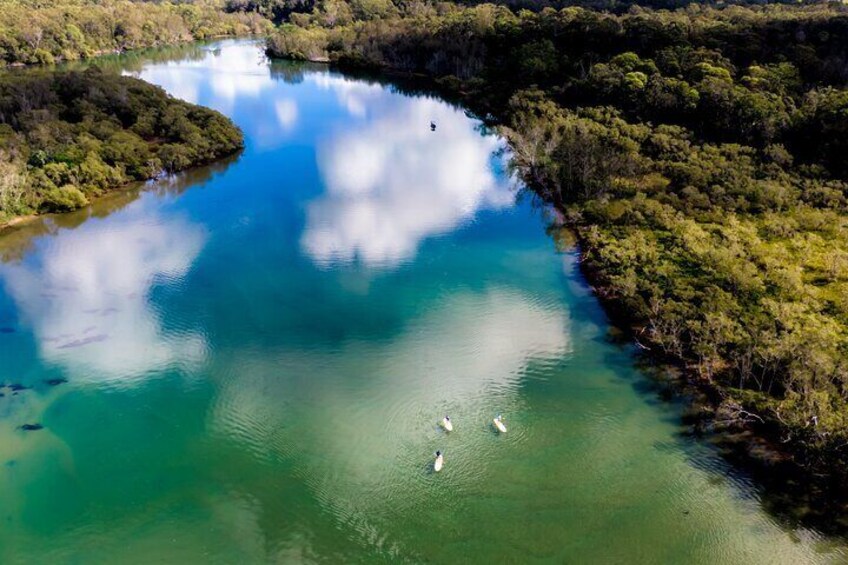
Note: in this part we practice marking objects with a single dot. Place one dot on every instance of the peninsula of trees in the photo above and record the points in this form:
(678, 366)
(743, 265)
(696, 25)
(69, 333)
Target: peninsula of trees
(701, 154)
(68, 136)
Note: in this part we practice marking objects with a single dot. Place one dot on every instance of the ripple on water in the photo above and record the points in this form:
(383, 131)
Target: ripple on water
(362, 436)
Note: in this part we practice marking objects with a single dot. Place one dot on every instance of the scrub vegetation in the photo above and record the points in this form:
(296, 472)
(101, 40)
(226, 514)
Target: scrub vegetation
(699, 153)
(68, 136)
(46, 31)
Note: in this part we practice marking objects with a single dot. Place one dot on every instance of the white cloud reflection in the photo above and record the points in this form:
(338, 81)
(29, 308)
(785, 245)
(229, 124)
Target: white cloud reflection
(353, 95)
(230, 72)
(233, 78)
(392, 182)
(287, 113)
(361, 425)
(86, 295)
(357, 420)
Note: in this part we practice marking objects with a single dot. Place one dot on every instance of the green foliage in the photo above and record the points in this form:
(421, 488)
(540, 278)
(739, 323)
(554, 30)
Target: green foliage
(39, 32)
(68, 136)
(12, 186)
(574, 157)
(275, 10)
(821, 130)
(300, 44)
(738, 75)
(62, 198)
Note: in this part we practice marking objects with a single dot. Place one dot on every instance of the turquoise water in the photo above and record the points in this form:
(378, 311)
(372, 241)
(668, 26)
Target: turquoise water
(257, 355)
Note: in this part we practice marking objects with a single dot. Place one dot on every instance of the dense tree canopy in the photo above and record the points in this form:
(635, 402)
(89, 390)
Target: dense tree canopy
(700, 154)
(68, 136)
(39, 31)
(274, 10)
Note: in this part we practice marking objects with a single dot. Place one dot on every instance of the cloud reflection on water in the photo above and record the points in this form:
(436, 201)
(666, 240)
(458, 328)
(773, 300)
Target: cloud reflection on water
(85, 295)
(391, 182)
(360, 425)
(231, 79)
(231, 72)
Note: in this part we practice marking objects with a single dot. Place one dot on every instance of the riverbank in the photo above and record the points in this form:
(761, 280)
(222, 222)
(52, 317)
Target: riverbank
(16, 221)
(91, 58)
(680, 235)
(797, 484)
(794, 483)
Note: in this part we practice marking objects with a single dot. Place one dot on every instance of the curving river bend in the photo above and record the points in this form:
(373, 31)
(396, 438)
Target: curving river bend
(257, 354)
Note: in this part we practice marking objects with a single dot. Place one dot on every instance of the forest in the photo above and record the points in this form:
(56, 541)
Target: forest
(69, 136)
(698, 153)
(46, 31)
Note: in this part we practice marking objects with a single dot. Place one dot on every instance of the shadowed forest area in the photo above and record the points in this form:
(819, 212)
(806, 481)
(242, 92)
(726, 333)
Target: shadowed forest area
(67, 136)
(699, 153)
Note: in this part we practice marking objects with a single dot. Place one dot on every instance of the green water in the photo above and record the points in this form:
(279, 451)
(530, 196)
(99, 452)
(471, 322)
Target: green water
(257, 355)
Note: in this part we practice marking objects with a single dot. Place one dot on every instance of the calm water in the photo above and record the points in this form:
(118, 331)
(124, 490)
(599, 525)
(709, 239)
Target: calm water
(257, 354)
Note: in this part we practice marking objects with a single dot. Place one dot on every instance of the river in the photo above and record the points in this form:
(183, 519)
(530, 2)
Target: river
(247, 362)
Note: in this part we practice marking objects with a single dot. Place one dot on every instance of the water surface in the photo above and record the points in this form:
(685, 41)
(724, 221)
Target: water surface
(257, 353)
